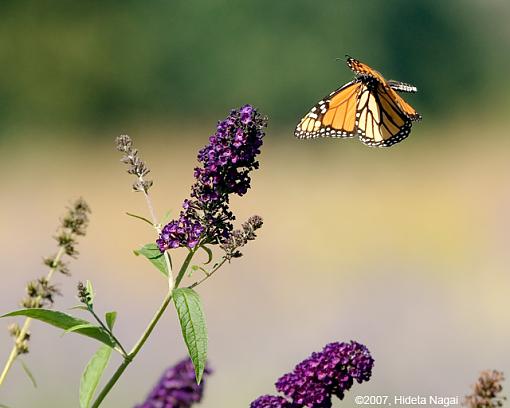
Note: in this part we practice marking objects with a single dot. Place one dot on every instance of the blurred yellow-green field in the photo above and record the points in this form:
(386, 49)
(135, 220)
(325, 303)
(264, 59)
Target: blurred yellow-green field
(402, 249)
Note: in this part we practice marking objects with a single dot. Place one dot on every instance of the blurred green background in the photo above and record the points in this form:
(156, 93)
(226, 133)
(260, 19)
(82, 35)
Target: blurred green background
(403, 249)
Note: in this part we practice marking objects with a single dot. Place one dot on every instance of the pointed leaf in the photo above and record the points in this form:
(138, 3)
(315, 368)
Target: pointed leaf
(79, 307)
(110, 318)
(194, 331)
(140, 218)
(92, 374)
(195, 268)
(78, 327)
(154, 255)
(28, 372)
(209, 254)
(65, 321)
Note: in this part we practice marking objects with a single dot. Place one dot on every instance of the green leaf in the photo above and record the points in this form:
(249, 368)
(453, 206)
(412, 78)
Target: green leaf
(209, 254)
(140, 218)
(195, 268)
(79, 307)
(4, 406)
(78, 327)
(66, 322)
(92, 374)
(110, 318)
(154, 255)
(194, 331)
(90, 291)
(28, 372)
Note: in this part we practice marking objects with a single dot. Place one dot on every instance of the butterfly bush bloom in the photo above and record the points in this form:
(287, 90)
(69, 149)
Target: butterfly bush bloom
(181, 232)
(177, 388)
(225, 166)
(316, 379)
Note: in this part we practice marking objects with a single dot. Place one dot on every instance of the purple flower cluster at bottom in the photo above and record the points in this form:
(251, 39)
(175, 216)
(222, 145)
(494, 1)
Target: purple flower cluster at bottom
(272, 401)
(316, 379)
(177, 388)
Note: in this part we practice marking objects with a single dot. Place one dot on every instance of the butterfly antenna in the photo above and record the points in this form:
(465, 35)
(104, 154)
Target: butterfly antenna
(343, 59)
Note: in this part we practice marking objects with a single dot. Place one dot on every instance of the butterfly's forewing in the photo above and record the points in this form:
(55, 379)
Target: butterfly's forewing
(333, 116)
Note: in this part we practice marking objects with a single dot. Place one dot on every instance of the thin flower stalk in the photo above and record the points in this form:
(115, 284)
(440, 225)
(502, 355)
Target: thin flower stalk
(40, 293)
(140, 169)
(237, 239)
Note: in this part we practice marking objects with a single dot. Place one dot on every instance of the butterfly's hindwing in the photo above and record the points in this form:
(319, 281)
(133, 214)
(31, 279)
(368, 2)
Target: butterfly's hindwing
(381, 121)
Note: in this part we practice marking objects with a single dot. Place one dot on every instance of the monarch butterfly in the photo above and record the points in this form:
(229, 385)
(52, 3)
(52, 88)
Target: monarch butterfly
(367, 107)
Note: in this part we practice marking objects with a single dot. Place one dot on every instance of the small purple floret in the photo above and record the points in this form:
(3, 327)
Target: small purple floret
(177, 233)
(272, 401)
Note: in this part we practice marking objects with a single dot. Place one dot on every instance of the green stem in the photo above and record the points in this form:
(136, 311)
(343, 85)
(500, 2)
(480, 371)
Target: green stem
(14, 352)
(184, 266)
(168, 261)
(127, 360)
(140, 218)
(157, 227)
(123, 352)
(209, 274)
(104, 392)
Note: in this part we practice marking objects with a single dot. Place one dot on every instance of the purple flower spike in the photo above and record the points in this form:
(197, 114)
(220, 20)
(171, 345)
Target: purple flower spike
(230, 156)
(225, 166)
(177, 388)
(316, 379)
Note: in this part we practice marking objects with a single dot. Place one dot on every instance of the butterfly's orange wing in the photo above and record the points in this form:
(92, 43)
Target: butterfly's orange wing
(367, 107)
(406, 108)
(333, 116)
(364, 70)
(381, 121)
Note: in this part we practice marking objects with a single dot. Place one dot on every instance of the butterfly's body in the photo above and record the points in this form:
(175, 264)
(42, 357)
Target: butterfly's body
(367, 107)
